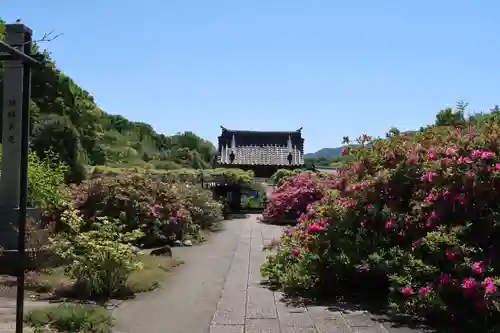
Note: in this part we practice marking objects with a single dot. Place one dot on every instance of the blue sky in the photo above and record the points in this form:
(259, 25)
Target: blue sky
(333, 67)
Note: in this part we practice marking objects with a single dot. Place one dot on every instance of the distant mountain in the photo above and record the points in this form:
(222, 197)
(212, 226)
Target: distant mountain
(325, 152)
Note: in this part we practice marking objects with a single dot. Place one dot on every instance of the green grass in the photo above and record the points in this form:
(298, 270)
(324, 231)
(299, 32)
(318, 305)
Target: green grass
(72, 318)
(156, 270)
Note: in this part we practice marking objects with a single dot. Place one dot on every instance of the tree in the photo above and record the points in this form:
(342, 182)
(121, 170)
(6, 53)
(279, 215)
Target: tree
(57, 134)
(448, 117)
(393, 131)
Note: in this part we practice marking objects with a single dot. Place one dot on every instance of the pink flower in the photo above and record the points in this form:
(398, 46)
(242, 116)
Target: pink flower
(412, 160)
(468, 283)
(451, 151)
(469, 286)
(295, 252)
(424, 291)
(434, 215)
(451, 254)
(487, 281)
(431, 156)
(402, 235)
(429, 198)
(497, 166)
(476, 153)
(478, 267)
(357, 168)
(364, 223)
(275, 241)
(388, 224)
(315, 227)
(444, 279)
(407, 291)
(417, 243)
(349, 204)
(490, 288)
(179, 215)
(155, 210)
(428, 176)
(446, 161)
(487, 155)
(322, 222)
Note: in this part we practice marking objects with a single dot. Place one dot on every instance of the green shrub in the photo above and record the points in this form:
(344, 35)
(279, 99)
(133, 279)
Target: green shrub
(420, 211)
(166, 165)
(46, 188)
(100, 256)
(281, 175)
(76, 173)
(45, 182)
(251, 202)
(70, 318)
(237, 176)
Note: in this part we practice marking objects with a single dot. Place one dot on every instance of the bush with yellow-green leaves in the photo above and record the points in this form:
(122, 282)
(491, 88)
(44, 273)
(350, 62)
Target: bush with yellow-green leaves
(99, 256)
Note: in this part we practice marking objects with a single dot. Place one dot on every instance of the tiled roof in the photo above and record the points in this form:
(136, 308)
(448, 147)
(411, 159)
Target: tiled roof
(261, 155)
(234, 131)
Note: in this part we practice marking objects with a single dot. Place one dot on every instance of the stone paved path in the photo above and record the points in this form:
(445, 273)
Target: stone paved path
(218, 291)
(8, 313)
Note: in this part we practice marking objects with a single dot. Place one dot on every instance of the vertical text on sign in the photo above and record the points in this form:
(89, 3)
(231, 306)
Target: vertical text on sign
(11, 118)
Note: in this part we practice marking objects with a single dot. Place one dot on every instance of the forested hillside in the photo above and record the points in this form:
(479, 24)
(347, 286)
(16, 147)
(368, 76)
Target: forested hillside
(67, 121)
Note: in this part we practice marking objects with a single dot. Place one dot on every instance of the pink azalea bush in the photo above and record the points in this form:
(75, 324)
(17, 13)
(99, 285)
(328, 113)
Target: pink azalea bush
(293, 197)
(164, 211)
(421, 211)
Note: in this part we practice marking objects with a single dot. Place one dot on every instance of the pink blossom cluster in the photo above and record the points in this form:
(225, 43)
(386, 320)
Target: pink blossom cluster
(175, 216)
(293, 197)
(472, 287)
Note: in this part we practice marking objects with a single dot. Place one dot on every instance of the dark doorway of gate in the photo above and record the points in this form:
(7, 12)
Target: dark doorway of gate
(238, 198)
(253, 199)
